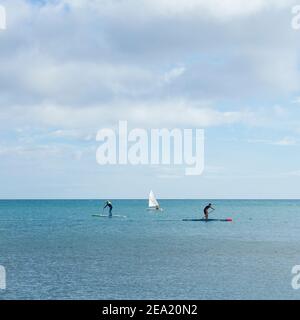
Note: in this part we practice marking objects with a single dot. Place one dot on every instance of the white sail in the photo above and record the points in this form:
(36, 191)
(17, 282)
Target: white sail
(152, 200)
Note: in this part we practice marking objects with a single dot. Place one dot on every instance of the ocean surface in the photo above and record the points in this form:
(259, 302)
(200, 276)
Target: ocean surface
(56, 249)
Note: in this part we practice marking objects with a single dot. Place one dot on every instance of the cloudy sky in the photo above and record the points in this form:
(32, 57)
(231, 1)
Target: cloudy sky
(71, 67)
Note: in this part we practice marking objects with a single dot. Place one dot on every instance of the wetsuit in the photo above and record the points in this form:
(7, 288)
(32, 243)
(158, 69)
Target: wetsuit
(206, 210)
(109, 205)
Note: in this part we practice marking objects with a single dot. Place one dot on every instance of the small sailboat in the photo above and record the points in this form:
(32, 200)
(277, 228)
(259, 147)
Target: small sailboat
(153, 203)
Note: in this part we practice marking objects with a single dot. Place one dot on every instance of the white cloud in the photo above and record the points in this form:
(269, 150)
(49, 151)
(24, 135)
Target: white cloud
(293, 173)
(71, 134)
(296, 100)
(2, 18)
(220, 9)
(173, 74)
(144, 114)
(32, 151)
(277, 68)
(101, 50)
(43, 152)
(286, 141)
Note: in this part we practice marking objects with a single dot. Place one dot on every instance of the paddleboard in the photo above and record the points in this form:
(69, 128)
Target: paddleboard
(209, 220)
(106, 216)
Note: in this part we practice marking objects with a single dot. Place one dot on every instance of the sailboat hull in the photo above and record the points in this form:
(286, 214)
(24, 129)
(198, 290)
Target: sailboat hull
(154, 209)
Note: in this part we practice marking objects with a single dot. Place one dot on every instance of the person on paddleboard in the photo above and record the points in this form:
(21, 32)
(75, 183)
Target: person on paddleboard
(206, 210)
(108, 205)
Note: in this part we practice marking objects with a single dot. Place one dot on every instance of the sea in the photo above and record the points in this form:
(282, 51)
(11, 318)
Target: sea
(57, 249)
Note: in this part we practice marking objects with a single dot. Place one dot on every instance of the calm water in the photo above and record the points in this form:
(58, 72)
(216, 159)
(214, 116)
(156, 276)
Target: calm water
(57, 250)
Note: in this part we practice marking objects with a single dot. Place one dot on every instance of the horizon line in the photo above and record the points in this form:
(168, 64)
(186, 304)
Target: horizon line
(99, 199)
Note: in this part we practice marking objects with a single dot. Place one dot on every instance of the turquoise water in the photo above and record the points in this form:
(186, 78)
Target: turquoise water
(57, 250)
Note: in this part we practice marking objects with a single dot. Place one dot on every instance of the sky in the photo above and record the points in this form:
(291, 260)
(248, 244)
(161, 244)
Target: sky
(69, 68)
